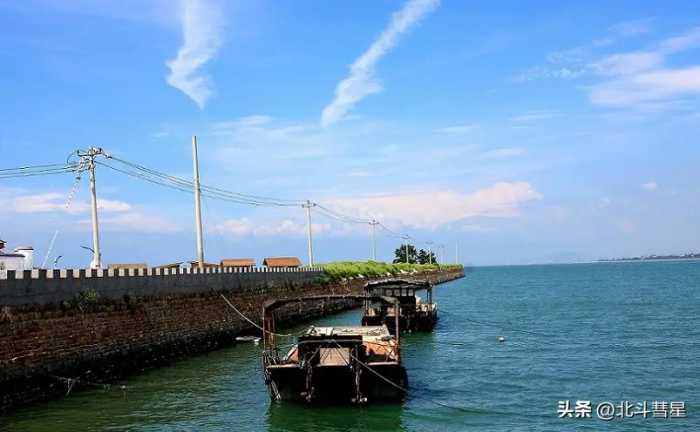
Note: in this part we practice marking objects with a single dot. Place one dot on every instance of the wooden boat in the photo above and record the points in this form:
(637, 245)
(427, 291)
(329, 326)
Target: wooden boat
(414, 315)
(341, 365)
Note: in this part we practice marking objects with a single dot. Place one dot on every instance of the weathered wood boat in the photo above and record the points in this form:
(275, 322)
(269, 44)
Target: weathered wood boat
(341, 365)
(414, 315)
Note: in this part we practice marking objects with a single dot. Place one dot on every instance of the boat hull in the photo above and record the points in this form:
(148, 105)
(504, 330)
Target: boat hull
(337, 384)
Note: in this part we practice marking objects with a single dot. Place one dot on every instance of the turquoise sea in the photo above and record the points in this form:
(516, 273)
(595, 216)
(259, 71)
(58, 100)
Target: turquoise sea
(604, 332)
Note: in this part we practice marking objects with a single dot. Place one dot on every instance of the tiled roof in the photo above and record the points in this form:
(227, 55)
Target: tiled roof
(282, 262)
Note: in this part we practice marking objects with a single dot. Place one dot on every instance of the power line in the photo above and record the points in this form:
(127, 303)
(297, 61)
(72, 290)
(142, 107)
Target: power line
(159, 178)
(37, 170)
(213, 191)
(28, 167)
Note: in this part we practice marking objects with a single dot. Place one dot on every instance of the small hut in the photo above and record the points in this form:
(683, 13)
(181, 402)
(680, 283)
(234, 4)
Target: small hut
(195, 264)
(282, 262)
(238, 262)
(169, 266)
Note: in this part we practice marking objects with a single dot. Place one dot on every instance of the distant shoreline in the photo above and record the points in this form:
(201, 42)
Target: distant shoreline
(600, 261)
(695, 257)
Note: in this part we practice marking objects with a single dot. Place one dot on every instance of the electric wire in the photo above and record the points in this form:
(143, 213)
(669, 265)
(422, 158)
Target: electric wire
(9, 173)
(159, 178)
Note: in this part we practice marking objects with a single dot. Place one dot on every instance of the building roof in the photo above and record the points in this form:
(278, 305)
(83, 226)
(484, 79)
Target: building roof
(206, 264)
(282, 262)
(127, 266)
(171, 265)
(238, 262)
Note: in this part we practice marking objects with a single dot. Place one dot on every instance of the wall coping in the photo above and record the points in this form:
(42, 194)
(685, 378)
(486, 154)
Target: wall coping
(136, 272)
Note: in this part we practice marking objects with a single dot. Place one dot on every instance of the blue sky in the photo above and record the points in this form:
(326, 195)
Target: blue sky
(540, 132)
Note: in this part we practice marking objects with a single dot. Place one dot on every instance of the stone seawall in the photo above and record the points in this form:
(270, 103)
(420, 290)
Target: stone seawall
(103, 328)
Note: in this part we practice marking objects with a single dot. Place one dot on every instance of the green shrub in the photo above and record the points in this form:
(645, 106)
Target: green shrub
(346, 269)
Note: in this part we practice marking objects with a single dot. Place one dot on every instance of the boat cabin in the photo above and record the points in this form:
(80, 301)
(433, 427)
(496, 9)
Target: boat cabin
(414, 314)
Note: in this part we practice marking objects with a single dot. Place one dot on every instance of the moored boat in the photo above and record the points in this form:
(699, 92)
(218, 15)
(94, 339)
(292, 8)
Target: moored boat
(413, 313)
(341, 365)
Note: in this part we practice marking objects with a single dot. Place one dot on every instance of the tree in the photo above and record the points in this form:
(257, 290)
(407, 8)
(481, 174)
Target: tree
(425, 258)
(400, 254)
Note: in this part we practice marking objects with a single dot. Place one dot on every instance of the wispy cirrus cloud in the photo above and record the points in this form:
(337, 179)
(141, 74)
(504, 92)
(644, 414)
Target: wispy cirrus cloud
(533, 116)
(361, 82)
(576, 62)
(281, 139)
(639, 79)
(650, 186)
(456, 129)
(502, 153)
(201, 29)
(651, 87)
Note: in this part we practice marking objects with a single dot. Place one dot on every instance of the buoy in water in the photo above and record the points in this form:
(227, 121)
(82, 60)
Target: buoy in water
(501, 339)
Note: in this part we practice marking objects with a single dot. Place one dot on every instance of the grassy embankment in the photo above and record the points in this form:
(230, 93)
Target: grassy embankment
(346, 269)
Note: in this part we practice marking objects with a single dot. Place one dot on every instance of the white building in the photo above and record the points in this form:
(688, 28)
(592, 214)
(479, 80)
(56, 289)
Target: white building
(21, 259)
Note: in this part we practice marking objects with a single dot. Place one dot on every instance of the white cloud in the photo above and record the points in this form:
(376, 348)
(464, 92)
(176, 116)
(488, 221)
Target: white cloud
(604, 202)
(201, 29)
(505, 152)
(261, 136)
(649, 87)
(545, 72)
(113, 215)
(631, 27)
(635, 79)
(430, 209)
(458, 129)
(688, 40)
(576, 62)
(56, 202)
(361, 82)
(476, 228)
(532, 116)
(243, 227)
(160, 134)
(136, 221)
(628, 63)
(650, 186)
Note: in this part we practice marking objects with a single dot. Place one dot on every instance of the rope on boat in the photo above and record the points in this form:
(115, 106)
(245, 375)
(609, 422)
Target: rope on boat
(360, 362)
(403, 389)
(71, 382)
(253, 323)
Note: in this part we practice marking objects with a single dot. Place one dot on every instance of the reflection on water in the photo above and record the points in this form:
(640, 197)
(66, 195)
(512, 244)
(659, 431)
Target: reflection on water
(298, 417)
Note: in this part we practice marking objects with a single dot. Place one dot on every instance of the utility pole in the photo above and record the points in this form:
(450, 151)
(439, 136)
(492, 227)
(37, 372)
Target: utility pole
(309, 239)
(87, 161)
(430, 252)
(373, 224)
(197, 204)
(406, 239)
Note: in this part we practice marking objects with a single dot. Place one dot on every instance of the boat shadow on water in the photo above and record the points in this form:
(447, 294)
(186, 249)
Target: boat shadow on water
(298, 416)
